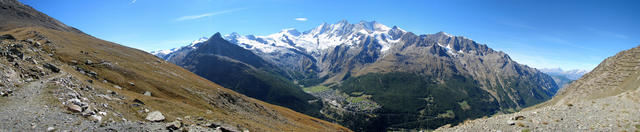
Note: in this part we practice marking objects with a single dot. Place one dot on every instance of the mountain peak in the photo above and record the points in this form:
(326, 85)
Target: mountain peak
(343, 21)
(233, 35)
(443, 33)
(15, 14)
(216, 36)
(291, 31)
(199, 40)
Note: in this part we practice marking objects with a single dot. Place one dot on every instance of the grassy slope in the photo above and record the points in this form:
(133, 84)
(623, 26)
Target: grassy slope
(176, 92)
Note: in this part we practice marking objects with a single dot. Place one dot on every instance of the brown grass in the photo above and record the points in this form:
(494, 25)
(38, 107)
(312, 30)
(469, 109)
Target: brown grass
(176, 92)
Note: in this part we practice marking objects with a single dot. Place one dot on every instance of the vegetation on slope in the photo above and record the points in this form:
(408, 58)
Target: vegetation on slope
(412, 100)
(172, 87)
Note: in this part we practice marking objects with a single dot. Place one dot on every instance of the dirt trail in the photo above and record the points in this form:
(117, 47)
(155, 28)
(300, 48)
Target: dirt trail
(33, 108)
(27, 109)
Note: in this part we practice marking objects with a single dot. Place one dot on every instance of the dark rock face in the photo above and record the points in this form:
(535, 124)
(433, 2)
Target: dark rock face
(242, 71)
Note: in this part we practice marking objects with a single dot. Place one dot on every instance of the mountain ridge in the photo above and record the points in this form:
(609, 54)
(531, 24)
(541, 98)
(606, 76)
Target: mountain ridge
(241, 70)
(343, 57)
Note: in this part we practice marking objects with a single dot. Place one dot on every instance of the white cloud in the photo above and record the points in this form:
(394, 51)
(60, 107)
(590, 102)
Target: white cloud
(133, 1)
(207, 14)
(302, 19)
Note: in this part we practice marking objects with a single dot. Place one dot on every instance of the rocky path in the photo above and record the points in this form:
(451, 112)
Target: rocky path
(27, 109)
(32, 108)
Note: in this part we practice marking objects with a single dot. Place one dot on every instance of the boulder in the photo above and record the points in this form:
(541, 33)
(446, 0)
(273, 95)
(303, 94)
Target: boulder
(155, 116)
(51, 67)
(222, 129)
(518, 118)
(138, 101)
(7, 36)
(87, 112)
(88, 62)
(212, 125)
(511, 122)
(95, 118)
(6, 93)
(75, 105)
(92, 74)
(74, 108)
(175, 125)
(51, 129)
(147, 93)
(111, 92)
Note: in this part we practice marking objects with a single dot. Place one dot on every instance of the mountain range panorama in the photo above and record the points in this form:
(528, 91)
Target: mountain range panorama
(367, 67)
(337, 77)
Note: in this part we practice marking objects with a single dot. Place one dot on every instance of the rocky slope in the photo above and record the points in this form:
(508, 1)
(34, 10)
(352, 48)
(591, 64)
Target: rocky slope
(605, 99)
(57, 78)
(388, 78)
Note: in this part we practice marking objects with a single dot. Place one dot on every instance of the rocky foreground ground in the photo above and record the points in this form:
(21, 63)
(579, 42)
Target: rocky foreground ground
(36, 95)
(33, 107)
(616, 113)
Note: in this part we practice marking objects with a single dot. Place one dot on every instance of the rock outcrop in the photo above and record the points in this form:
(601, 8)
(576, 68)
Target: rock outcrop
(155, 116)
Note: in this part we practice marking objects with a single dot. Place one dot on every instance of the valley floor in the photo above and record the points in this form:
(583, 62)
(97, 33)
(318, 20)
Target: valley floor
(615, 113)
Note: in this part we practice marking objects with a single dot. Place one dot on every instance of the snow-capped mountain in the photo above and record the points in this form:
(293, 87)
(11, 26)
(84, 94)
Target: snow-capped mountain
(165, 54)
(320, 38)
(381, 58)
(305, 51)
(574, 74)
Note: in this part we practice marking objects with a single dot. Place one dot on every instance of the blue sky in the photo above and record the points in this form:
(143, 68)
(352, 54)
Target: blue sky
(575, 34)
